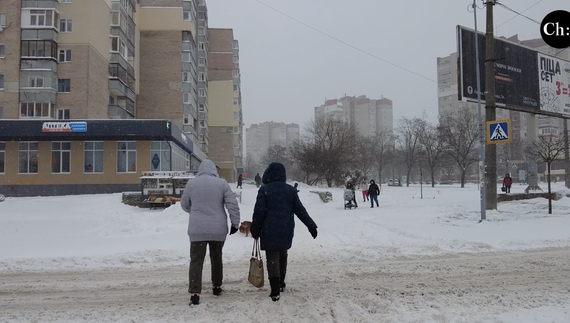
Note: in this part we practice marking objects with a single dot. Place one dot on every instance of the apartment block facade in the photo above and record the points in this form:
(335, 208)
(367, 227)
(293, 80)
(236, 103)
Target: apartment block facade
(95, 92)
(371, 116)
(225, 117)
(259, 137)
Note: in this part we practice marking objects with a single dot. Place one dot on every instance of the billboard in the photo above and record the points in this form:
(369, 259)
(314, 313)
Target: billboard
(554, 75)
(516, 68)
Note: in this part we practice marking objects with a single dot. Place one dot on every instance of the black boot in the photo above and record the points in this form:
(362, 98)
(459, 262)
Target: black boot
(282, 283)
(274, 283)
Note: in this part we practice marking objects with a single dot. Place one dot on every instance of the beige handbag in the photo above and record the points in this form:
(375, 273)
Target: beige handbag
(255, 276)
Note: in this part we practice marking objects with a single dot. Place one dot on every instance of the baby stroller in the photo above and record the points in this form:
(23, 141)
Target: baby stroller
(349, 199)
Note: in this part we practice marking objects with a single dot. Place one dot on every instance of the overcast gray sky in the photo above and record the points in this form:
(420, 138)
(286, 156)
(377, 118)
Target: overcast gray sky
(288, 68)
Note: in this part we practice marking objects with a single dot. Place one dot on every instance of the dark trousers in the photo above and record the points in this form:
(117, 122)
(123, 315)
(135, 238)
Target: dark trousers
(276, 263)
(197, 255)
(508, 188)
(373, 198)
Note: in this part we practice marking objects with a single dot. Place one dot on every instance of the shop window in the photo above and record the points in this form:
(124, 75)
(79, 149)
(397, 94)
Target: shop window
(60, 157)
(93, 157)
(28, 157)
(126, 156)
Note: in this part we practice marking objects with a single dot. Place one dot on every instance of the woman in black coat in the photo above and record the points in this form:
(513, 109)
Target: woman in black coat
(274, 223)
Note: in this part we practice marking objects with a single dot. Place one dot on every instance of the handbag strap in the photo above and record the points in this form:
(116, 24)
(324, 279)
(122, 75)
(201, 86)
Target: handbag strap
(256, 251)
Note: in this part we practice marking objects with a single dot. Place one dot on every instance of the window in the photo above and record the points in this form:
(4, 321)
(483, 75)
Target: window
(236, 87)
(63, 85)
(186, 56)
(64, 25)
(28, 157)
(201, 77)
(235, 44)
(236, 59)
(2, 156)
(201, 92)
(126, 156)
(186, 15)
(186, 77)
(64, 55)
(201, 61)
(186, 36)
(235, 73)
(36, 109)
(2, 50)
(3, 19)
(38, 17)
(65, 1)
(201, 107)
(186, 119)
(159, 156)
(39, 48)
(1, 81)
(201, 46)
(35, 81)
(236, 101)
(186, 97)
(60, 157)
(62, 114)
(201, 31)
(93, 157)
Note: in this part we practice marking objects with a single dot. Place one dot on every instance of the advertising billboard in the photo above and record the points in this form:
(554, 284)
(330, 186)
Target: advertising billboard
(516, 68)
(554, 76)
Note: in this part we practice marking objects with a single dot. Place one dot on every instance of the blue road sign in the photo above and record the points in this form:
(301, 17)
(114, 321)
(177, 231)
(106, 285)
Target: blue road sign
(498, 132)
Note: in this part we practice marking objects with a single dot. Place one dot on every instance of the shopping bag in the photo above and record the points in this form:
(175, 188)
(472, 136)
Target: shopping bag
(255, 276)
(504, 189)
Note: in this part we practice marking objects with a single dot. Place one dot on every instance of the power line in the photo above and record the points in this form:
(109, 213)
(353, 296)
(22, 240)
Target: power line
(343, 42)
(518, 13)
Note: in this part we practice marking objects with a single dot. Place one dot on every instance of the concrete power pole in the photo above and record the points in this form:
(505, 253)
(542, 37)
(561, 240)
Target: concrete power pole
(490, 111)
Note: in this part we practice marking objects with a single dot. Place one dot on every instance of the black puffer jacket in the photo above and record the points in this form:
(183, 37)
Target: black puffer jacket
(273, 214)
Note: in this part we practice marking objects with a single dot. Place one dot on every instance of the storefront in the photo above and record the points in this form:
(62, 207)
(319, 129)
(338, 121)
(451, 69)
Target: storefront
(66, 157)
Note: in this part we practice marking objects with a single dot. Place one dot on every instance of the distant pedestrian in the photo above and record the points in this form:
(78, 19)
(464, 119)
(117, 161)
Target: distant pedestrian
(373, 192)
(364, 187)
(257, 180)
(239, 181)
(507, 182)
(273, 222)
(295, 186)
(206, 198)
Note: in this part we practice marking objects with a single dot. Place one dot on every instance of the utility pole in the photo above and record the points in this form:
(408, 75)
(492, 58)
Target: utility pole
(566, 155)
(481, 147)
(490, 111)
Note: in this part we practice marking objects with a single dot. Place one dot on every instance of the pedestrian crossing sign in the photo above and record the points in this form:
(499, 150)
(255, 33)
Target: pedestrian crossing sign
(498, 132)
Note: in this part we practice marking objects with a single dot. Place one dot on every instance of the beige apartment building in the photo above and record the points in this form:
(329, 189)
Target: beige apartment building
(371, 116)
(95, 92)
(259, 137)
(225, 116)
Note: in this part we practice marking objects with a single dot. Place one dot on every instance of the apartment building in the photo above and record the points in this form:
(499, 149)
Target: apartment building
(259, 137)
(371, 116)
(225, 118)
(95, 92)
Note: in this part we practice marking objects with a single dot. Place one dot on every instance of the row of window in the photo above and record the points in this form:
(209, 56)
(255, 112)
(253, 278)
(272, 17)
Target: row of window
(61, 157)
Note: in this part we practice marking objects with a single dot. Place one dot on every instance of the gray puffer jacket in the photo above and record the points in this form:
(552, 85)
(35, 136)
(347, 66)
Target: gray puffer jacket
(204, 198)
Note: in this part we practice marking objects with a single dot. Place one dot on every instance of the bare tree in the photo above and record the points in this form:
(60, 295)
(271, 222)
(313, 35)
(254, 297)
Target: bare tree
(365, 154)
(277, 153)
(251, 165)
(460, 132)
(382, 151)
(432, 147)
(329, 148)
(548, 148)
(407, 143)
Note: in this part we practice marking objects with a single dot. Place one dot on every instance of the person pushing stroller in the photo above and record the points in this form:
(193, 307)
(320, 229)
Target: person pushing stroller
(350, 196)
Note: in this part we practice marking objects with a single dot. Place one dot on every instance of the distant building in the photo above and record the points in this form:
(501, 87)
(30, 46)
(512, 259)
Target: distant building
(259, 137)
(225, 118)
(371, 116)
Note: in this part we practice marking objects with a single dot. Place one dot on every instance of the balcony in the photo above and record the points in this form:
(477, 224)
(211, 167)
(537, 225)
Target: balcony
(118, 112)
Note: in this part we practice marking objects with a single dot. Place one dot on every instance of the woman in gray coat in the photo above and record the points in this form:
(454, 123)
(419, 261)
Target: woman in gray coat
(204, 198)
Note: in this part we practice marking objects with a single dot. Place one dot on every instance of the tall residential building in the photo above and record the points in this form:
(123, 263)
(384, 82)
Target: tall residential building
(95, 92)
(225, 119)
(259, 137)
(371, 116)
